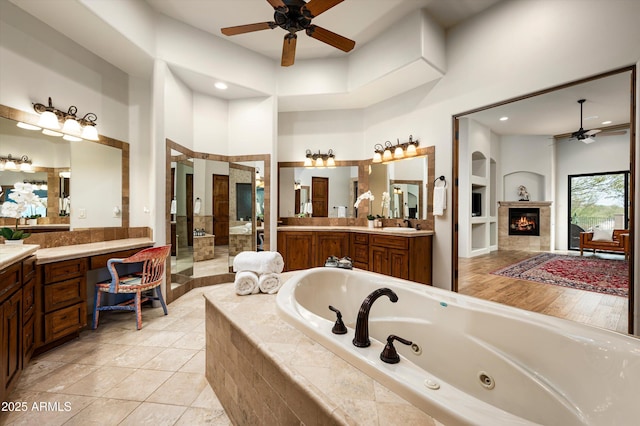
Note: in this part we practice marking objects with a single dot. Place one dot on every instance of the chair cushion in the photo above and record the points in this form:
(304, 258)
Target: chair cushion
(126, 284)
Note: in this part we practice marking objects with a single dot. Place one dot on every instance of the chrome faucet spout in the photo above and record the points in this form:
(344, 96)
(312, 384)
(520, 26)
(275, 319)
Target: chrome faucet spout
(361, 338)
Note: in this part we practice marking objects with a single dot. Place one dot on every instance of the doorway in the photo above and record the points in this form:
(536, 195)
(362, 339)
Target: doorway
(320, 196)
(597, 201)
(221, 209)
(540, 111)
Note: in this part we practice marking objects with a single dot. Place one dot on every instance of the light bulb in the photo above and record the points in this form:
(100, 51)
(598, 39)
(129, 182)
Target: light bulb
(90, 133)
(331, 163)
(319, 162)
(386, 156)
(377, 158)
(71, 126)
(411, 151)
(308, 162)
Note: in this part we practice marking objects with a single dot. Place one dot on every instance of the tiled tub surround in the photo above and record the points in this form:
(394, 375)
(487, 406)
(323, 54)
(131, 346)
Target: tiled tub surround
(264, 371)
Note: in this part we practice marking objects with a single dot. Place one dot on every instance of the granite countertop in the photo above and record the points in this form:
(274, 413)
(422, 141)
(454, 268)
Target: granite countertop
(359, 229)
(351, 395)
(56, 254)
(10, 254)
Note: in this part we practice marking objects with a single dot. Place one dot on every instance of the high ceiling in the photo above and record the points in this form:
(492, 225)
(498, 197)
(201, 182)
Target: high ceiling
(359, 20)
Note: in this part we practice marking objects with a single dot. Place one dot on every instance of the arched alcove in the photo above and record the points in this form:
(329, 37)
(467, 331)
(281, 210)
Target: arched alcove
(534, 182)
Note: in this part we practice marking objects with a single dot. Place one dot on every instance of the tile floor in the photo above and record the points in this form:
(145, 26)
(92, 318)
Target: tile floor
(117, 375)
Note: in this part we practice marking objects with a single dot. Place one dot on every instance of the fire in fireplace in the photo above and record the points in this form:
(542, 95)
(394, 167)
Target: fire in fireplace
(524, 221)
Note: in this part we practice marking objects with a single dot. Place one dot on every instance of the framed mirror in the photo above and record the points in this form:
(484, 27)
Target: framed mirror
(538, 160)
(101, 169)
(348, 180)
(217, 206)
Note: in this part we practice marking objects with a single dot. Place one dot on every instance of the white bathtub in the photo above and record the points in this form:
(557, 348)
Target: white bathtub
(545, 370)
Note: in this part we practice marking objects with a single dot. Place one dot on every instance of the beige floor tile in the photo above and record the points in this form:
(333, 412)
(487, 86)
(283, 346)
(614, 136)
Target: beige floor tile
(202, 416)
(149, 413)
(139, 385)
(170, 359)
(162, 338)
(191, 340)
(103, 411)
(180, 389)
(196, 364)
(36, 371)
(63, 377)
(101, 354)
(99, 382)
(70, 351)
(135, 356)
(207, 399)
(188, 325)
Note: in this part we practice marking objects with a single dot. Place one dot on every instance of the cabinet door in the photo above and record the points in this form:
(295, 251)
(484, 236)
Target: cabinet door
(398, 265)
(379, 260)
(64, 322)
(28, 339)
(12, 341)
(296, 249)
(330, 244)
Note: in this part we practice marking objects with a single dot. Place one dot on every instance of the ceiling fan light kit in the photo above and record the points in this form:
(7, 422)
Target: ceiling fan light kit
(294, 16)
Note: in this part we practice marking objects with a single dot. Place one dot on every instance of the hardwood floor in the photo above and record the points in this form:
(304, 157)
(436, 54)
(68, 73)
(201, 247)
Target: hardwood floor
(475, 279)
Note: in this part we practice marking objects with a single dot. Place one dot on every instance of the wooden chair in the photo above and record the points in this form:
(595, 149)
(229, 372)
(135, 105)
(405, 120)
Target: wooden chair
(149, 278)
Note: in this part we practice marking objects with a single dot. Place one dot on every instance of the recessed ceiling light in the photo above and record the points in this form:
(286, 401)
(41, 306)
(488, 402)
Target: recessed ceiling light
(220, 85)
(607, 122)
(504, 118)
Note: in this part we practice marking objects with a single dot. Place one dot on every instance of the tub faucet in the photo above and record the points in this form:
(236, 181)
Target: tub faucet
(361, 339)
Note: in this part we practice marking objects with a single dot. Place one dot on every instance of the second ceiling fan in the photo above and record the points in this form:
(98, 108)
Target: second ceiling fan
(294, 16)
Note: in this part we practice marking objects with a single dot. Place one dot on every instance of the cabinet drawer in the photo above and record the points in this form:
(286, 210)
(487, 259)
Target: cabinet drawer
(100, 261)
(10, 280)
(360, 238)
(64, 293)
(64, 322)
(390, 241)
(60, 271)
(28, 299)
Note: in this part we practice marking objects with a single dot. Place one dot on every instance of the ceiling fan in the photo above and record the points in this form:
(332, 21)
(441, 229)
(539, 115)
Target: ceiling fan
(581, 134)
(294, 16)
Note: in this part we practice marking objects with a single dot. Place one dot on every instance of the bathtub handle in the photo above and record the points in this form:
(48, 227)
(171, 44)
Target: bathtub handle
(338, 327)
(389, 353)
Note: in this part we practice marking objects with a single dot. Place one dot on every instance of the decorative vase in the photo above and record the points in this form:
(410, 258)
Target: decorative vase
(32, 222)
(371, 222)
(13, 242)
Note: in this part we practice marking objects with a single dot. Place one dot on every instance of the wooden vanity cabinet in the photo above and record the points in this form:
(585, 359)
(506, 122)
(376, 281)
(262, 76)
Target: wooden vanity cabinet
(17, 307)
(397, 256)
(63, 295)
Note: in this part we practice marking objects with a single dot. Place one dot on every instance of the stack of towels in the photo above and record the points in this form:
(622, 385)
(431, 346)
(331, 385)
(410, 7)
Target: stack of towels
(257, 271)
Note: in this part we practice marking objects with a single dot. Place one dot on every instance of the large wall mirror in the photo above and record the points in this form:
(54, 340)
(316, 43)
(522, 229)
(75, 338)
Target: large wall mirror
(587, 180)
(331, 192)
(82, 184)
(217, 207)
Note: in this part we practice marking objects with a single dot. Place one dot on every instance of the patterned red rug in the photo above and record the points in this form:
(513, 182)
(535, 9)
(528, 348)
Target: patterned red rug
(606, 276)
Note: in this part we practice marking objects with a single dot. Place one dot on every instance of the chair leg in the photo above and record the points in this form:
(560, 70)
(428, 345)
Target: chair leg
(138, 310)
(96, 312)
(159, 294)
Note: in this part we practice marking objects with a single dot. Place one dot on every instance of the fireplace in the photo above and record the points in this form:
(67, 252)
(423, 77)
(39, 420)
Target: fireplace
(524, 221)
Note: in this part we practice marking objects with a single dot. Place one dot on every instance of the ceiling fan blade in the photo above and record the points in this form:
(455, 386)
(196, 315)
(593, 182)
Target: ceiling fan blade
(241, 29)
(316, 7)
(289, 50)
(592, 132)
(279, 5)
(331, 38)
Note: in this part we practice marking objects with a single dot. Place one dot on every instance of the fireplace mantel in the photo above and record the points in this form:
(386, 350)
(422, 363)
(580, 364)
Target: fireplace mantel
(520, 204)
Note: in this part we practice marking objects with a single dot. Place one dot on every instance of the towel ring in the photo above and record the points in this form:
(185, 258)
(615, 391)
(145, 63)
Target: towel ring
(440, 178)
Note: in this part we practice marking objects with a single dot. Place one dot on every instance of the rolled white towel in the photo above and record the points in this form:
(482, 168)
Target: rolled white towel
(269, 283)
(260, 262)
(246, 282)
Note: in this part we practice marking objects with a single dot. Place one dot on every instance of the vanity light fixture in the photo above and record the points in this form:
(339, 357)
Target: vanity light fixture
(320, 160)
(13, 164)
(37, 184)
(73, 128)
(389, 152)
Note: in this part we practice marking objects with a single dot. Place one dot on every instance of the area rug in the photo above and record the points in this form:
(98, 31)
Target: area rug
(606, 276)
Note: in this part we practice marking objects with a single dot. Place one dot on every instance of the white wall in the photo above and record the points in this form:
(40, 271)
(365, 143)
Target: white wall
(528, 154)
